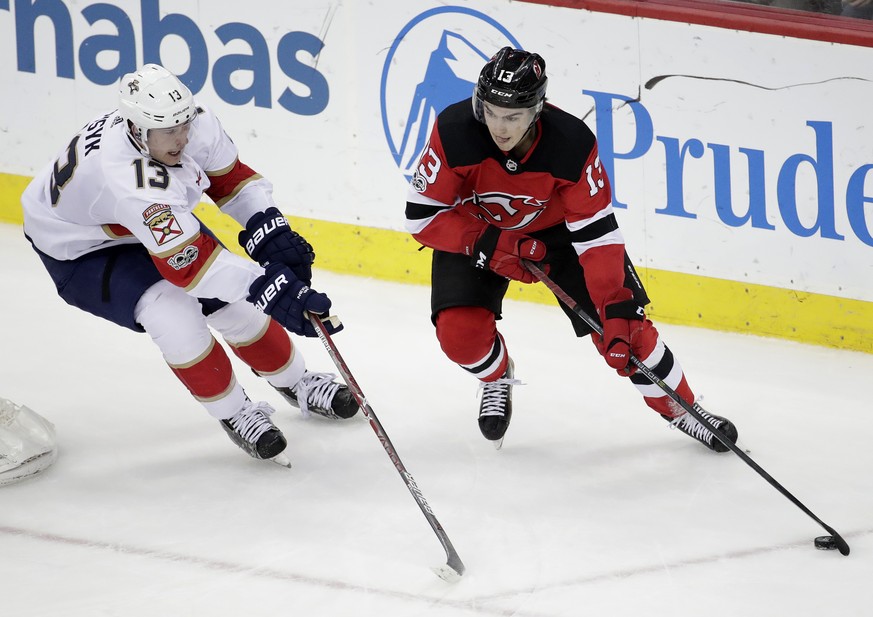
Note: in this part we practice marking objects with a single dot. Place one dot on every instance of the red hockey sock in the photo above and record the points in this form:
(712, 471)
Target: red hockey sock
(208, 377)
(269, 353)
(665, 406)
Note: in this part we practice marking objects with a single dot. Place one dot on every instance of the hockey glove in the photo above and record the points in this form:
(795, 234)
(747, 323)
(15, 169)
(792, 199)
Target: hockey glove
(280, 294)
(268, 239)
(623, 324)
(502, 252)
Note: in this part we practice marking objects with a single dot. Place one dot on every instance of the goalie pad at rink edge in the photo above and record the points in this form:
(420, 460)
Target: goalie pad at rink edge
(27, 442)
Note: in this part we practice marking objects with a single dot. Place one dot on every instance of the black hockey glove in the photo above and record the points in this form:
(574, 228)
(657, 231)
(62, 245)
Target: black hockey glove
(285, 298)
(268, 239)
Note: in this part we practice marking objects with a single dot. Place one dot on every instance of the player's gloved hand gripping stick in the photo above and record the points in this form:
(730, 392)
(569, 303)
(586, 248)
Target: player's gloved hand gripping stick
(835, 540)
(285, 298)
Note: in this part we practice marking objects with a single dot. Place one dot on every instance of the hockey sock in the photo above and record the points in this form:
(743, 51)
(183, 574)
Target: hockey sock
(665, 366)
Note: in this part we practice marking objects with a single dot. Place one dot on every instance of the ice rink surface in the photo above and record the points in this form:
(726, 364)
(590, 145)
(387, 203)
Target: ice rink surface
(592, 507)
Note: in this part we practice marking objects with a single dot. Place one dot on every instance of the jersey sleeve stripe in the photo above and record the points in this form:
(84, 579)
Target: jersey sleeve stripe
(614, 237)
(239, 187)
(222, 172)
(419, 216)
(203, 251)
(227, 183)
(592, 229)
(116, 231)
(204, 268)
(575, 222)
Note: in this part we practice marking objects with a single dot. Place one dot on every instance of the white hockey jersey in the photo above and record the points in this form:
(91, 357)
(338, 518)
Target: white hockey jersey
(102, 191)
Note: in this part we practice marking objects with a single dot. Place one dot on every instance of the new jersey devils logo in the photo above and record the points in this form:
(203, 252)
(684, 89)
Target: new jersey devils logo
(510, 211)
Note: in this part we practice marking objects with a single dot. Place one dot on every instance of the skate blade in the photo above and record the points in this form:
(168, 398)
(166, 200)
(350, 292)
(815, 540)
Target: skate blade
(281, 459)
(498, 443)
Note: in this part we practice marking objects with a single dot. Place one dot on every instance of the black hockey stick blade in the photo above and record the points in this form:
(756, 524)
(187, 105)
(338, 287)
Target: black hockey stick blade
(454, 567)
(694, 409)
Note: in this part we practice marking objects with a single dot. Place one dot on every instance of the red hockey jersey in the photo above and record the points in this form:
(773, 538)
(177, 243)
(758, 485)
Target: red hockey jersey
(464, 182)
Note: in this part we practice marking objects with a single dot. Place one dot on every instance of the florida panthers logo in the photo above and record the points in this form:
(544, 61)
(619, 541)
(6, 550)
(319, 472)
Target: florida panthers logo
(510, 211)
(159, 218)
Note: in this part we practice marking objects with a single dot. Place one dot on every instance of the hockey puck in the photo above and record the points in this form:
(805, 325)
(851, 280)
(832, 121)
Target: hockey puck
(825, 543)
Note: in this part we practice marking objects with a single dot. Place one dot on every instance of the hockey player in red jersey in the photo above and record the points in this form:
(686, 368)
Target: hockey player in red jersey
(507, 176)
(112, 220)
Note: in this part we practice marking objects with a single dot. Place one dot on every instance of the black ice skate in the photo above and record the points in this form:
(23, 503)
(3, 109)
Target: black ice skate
(689, 425)
(253, 431)
(317, 393)
(495, 410)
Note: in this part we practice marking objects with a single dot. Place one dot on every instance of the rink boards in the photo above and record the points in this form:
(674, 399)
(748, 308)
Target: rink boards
(739, 160)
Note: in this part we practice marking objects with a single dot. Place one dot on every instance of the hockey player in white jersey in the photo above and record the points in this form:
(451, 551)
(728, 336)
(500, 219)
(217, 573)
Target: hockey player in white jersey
(112, 220)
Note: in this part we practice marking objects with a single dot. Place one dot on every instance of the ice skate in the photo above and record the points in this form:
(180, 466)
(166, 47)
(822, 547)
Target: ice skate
(495, 410)
(253, 431)
(317, 393)
(689, 425)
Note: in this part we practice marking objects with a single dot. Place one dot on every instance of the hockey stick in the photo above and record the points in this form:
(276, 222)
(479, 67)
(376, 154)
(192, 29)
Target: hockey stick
(694, 409)
(454, 568)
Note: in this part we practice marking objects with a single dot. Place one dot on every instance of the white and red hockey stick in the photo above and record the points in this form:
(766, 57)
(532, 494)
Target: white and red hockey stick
(454, 568)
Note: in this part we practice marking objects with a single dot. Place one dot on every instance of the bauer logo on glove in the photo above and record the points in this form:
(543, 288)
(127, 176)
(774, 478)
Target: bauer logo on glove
(268, 238)
(270, 292)
(264, 229)
(285, 298)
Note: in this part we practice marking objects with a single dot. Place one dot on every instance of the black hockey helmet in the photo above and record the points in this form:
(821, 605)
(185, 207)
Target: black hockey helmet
(512, 78)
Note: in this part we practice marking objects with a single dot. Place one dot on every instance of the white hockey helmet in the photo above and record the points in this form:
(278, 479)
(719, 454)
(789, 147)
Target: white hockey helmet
(154, 98)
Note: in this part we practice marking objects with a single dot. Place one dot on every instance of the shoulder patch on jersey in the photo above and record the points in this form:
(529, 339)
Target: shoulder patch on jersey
(161, 221)
(419, 183)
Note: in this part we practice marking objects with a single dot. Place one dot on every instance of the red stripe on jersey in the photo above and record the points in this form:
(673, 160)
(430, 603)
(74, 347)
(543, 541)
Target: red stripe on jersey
(268, 354)
(187, 265)
(114, 231)
(209, 376)
(227, 183)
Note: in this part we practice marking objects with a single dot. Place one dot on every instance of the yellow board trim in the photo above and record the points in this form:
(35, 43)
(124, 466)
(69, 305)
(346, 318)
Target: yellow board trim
(683, 299)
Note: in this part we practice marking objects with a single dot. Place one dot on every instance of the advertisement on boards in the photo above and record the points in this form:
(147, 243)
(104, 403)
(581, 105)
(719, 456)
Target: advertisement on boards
(733, 155)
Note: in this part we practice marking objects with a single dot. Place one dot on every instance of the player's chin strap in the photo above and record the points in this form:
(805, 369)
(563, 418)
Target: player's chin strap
(694, 410)
(138, 138)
